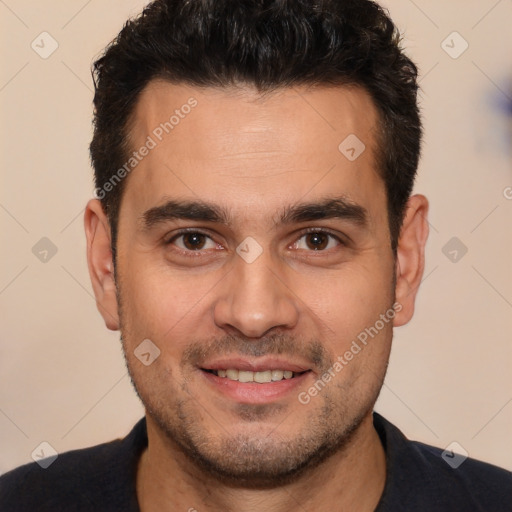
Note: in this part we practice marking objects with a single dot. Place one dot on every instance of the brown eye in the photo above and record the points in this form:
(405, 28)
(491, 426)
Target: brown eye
(192, 241)
(316, 241)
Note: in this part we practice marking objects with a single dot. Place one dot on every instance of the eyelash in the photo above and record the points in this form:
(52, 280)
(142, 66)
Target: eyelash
(195, 254)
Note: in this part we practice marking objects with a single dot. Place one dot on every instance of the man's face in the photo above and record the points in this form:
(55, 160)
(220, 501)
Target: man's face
(225, 263)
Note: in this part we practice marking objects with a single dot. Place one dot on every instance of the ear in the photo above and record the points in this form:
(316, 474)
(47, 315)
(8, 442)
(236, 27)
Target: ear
(100, 262)
(410, 261)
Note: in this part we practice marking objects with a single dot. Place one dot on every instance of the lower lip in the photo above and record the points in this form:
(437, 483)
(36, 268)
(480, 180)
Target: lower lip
(253, 392)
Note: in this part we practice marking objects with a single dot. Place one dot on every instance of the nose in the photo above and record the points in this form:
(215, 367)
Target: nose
(255, 298)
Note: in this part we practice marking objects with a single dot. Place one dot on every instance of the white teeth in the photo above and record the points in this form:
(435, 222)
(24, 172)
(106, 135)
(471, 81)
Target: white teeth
(232, 374)
(277, 375)
(263, 377)
(260, 377)
(245, 376)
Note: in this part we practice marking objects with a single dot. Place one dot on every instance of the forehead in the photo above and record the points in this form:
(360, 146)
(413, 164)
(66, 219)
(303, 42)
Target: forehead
(241, 113)
(235, 146)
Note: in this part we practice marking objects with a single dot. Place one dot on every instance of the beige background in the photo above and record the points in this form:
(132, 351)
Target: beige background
(63, 378)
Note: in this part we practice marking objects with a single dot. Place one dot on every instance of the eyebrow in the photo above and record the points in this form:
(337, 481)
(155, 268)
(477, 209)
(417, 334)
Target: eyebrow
(329, 208)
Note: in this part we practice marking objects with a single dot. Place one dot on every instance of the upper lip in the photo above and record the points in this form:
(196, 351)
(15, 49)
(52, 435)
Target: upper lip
(256, 365)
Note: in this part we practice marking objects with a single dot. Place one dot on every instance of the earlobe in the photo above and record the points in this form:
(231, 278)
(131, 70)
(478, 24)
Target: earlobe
(410, 261)
(100, 263)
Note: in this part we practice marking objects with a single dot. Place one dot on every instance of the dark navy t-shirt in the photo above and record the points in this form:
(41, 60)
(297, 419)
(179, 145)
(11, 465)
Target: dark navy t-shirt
(102, 479)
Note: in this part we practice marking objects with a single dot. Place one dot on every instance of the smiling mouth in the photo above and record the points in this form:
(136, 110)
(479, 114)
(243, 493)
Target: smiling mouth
(263, 377)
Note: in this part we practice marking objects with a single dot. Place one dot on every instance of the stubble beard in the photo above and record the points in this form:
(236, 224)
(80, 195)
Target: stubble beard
(246, 461)
(263, 461)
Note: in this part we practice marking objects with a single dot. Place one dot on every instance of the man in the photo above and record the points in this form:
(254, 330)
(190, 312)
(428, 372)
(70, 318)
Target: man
(255, 241)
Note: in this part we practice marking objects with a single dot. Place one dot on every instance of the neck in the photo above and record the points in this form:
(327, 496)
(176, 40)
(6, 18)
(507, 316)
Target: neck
(351, 479)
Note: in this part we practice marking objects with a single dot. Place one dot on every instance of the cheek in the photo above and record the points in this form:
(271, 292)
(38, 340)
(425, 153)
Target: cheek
(348, 301)
(162, 306)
